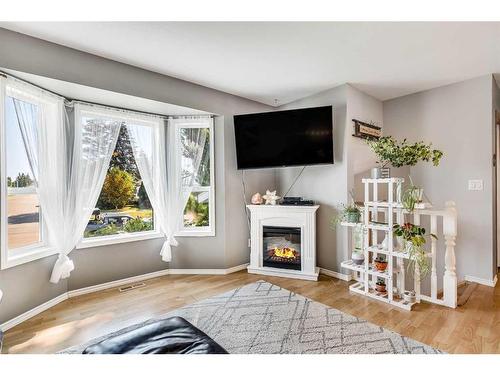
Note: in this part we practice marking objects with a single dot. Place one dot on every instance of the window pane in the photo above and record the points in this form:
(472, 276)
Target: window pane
(195, 143)
(196, 212)
(123, 206)
(22, 200)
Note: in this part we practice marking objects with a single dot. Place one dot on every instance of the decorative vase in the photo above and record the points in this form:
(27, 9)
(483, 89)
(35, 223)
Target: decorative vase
(358, 257)
(385, 242)
(353, 217)
(380, 172)
(257, 198)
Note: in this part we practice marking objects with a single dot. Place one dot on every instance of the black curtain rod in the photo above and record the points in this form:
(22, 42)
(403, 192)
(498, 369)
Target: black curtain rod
(6, 75)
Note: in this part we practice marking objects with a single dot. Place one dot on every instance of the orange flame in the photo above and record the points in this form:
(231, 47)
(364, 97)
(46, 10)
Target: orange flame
(284, 252)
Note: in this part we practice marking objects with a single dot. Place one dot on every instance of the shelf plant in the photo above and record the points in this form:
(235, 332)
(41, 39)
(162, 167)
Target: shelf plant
(398, 154)
(350, 213)
(414, 240)
(380, 285)
(410, 197)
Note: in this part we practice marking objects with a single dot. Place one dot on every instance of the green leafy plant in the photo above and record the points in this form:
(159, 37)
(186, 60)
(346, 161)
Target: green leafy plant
(414, 239)
(399, 154)
(410, 197)
(348, 212)
(137, 225)
(106, 231)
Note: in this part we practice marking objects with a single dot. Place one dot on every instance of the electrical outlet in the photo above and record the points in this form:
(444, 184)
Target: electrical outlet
(475, 184)
(249, 242)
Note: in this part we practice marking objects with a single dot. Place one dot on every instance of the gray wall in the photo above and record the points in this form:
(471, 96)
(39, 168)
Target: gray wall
(496, 175)
(325, 184)
(27, 286)
(458, 120)
(329, 185)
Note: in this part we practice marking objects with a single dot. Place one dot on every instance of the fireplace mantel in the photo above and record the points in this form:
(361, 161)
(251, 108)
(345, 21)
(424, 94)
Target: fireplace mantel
(303, 217)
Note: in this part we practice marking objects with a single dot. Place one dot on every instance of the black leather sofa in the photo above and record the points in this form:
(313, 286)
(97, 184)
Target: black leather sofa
(168, 336)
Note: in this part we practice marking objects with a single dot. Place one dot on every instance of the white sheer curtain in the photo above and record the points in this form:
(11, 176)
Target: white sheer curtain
(148, 145)
(43, 124)
(95, 137)
(169, 169)
(187, 137)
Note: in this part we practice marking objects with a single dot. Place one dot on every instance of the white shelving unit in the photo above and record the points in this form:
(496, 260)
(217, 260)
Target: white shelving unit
(392, 212)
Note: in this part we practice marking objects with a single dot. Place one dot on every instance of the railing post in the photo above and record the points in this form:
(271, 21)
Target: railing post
(450, 276)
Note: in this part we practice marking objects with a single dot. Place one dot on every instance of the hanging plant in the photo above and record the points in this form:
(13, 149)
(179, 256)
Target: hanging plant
(400, 154)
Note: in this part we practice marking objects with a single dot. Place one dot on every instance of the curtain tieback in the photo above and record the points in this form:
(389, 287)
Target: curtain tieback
(62, 268)
(166, 249)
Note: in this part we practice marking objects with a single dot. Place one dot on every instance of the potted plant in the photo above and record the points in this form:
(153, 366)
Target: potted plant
(411, 196)
(380, 264)
(399, 154)
(380, 286)
(413, 242)
(350, 213)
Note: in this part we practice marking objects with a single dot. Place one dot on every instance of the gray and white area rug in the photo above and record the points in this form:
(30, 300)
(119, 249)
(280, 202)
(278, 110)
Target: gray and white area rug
(264, 318)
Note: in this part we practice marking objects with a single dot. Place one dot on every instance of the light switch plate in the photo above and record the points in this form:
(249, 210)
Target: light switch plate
(475, 184)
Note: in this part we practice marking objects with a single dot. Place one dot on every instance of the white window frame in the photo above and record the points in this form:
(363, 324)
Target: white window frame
(90, 242)
(208, 231)
(28, 253)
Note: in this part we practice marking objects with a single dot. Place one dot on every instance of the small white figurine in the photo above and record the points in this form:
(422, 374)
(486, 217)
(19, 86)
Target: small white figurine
(271, 197)
(257, 198)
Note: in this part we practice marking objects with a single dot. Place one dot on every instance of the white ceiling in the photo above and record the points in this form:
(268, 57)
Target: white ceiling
(288, 61)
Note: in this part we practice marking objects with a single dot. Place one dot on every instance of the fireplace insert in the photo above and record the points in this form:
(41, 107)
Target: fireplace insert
(282, 247)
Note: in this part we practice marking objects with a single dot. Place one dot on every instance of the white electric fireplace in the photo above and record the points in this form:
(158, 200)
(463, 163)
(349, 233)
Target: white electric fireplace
(283, 241)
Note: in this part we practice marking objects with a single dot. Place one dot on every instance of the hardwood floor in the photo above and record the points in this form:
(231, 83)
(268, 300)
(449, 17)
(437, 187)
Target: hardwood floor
(471, 328)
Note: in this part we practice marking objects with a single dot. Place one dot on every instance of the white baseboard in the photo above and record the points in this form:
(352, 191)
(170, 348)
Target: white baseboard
(207, 271)
(34, 311)
(337, 275)
(116, 283)
(113, 284)
(478, 280)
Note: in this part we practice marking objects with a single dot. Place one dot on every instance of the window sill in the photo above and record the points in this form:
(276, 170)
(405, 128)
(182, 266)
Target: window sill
(27, 255)
(196, 233)
(113, 240)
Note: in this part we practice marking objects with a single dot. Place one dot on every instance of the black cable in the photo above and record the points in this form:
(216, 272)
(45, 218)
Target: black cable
(294, 181)
(245, 198)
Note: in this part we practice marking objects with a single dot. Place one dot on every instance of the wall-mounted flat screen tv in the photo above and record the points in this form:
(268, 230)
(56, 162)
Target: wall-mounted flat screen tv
(284, 138)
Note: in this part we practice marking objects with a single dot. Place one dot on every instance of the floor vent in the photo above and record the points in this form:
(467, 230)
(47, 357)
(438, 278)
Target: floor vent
(130, 287)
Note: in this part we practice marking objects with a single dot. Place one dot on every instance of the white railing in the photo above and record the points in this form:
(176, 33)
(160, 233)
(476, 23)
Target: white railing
(449, 232)
(447, 217)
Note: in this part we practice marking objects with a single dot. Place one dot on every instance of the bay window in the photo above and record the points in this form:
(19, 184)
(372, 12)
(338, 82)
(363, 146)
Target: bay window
(123, 211)
(23, 231)
(76, 174)
(195, 168)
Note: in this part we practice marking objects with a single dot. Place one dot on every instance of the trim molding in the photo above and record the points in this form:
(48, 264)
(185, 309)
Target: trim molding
(335, 274)
(478, 280)
(207, 271)
(112, 284)
(34, 311)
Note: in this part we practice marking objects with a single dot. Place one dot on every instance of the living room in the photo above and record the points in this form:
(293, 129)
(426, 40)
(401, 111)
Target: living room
(343, 206)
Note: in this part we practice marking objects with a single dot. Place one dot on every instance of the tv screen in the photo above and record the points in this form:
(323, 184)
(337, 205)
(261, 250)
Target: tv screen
(284, 138)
